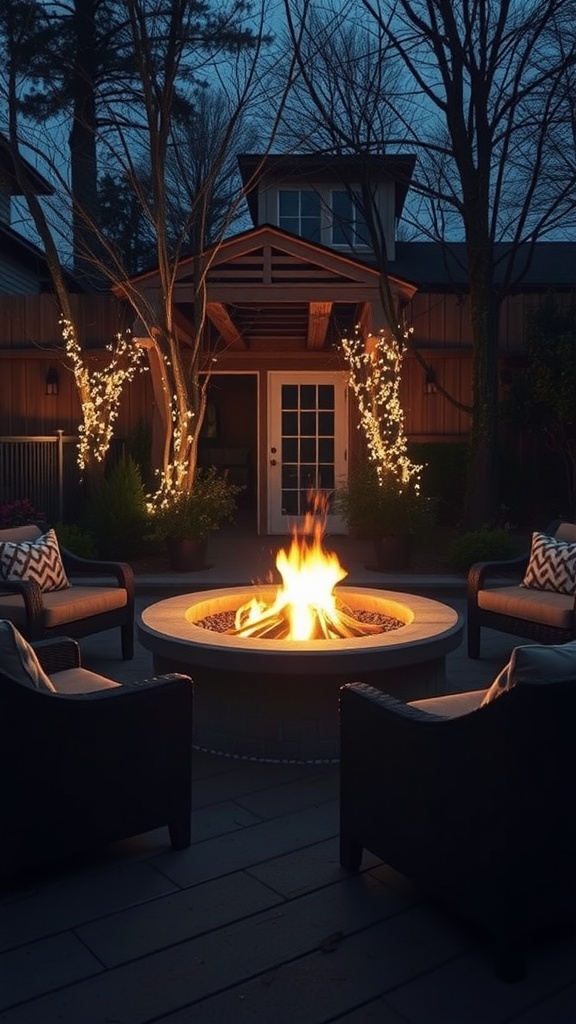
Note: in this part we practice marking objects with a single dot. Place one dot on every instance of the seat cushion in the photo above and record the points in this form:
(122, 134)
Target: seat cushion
(18, 660)
(544, 606)
(70, 605)
(37, 560)
(451, 706)
(81, 680)
(552, 565)
(535, 663)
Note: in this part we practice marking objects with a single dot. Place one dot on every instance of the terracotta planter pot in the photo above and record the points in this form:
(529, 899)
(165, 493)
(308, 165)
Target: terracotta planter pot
(188, 554)
(392, 553)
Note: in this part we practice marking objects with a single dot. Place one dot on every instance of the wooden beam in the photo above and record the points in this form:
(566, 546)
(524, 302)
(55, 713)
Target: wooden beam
(223, 322)
(318, 318)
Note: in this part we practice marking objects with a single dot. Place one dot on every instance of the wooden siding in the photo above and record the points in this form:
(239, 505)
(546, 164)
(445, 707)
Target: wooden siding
(32, 321)
(30, 343)
(16, 279)
(26, 409)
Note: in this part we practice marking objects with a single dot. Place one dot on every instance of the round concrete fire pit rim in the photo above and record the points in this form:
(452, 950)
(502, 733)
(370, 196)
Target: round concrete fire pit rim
(435, 630)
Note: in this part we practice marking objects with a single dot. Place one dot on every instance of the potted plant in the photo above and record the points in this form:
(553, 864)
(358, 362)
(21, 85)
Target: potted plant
(185, 519)
(387, 512)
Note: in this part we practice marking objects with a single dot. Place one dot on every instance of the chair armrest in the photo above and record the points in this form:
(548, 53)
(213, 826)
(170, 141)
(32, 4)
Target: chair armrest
(497, 752)
(121, 571)
(57, 654)
(31, 594)
(478, 572)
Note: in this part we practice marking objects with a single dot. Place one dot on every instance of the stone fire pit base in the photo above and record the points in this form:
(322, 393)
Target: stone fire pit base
(286, 718)
(277, 701)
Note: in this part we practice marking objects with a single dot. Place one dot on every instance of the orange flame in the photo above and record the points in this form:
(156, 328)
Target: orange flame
(305, 606)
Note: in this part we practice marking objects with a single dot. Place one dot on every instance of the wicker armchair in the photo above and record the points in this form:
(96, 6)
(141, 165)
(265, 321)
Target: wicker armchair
(101, 597)
(91, 764)
(476, 805)
(542, 616)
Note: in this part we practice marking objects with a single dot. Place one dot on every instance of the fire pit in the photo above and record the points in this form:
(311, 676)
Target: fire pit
(277, 700)
(267, 662)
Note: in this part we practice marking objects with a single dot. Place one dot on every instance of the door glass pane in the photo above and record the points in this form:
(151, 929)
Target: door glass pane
(289, 476)
(308, 424)
(325, 396)
(308, 449)
(326, 477)
(326, 424)
(307, 443)
(289, 424)
(289, 396)
(290, 502)
(326, 449)
(290, 449)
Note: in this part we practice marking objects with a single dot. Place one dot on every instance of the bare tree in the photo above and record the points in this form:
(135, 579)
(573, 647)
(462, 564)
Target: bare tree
(176, 49)
(495, 80)
(487, 109)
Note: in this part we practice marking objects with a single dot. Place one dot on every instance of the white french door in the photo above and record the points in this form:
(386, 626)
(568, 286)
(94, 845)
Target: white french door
(307, 444)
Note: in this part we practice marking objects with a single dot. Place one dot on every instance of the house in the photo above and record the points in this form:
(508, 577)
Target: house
(279, 297)
(23, 268)
(281, 294)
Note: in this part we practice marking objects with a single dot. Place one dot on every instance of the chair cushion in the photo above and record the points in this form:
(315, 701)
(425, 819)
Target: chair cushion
(81, 680)
(18, 660)
(453, 705)
(543, 606)
(552, 565)
(69, 605)
(535, 663)
(37, 560)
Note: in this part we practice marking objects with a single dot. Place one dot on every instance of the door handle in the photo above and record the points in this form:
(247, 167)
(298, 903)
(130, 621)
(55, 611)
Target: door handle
(273, 462)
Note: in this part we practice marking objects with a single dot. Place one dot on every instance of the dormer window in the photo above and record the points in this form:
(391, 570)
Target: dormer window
(299, 212)
(348, 223)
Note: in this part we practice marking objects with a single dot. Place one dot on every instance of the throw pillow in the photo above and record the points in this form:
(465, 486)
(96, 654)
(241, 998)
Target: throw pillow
(38, 560)
(18, 659)
(535, 663)
(552, 565)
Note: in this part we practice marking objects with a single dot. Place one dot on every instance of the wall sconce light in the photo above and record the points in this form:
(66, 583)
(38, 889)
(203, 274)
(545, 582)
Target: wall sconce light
(430, 383)
(52, 383)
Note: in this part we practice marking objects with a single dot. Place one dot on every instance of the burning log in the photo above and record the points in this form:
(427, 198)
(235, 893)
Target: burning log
(342, 625)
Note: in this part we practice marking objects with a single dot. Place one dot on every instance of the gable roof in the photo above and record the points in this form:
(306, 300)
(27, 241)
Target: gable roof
(268, 283)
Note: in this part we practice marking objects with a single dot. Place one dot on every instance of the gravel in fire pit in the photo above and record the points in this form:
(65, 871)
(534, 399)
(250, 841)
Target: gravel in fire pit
(223, 622)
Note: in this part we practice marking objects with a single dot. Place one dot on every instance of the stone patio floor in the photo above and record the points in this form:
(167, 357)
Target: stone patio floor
(257, 923)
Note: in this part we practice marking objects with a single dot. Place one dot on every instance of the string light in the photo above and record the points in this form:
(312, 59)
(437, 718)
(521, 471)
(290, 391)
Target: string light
(375, 370)
(100, 390)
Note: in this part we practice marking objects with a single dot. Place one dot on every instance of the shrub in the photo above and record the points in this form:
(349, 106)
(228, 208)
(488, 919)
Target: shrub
(484, 545)
(195, 513)
(19, 512)
(383, 509)
(444, 471)
(116, 511)
(76, 539)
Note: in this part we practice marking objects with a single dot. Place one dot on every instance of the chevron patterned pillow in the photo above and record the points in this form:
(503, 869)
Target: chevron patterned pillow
(552, 565)
(19, 661)
(37, 560)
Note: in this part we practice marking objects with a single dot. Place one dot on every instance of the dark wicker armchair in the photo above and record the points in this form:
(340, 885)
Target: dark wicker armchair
(101, 597)
(542, 616)
(475, 805)
(93, 763)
